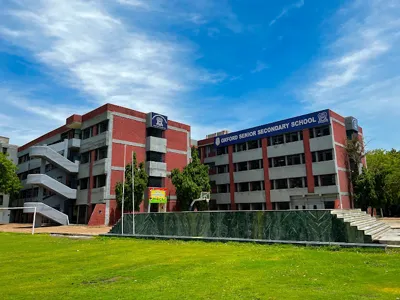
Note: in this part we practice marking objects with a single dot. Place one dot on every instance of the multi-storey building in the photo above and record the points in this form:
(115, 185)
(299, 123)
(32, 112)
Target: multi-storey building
(75, 168)
(298, 163)
(11, 150)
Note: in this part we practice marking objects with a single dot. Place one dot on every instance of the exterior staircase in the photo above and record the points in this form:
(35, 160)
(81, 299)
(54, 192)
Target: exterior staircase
(46, 211)
(54, 157)
(51, 184)
(377, 230)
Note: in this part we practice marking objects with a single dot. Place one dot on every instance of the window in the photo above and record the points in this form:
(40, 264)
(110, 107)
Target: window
(255, 164)
(279, 161)
(85, 157)
(253, 144)
(155, 132)
(5, 150)
(87, 133)
(294, 159)
(256, 185)
(325, 155)
(23, 158)
(241, 147)
(327, 180)
(316, 181)
(314, 156)
(154, 156)
(101, 153)
(155, 181)
(223, 188)
(329, 204)
(77, 134)
(102, 127)
(212, 170)
(322, 131)
(312, 135)
(314, 207)
(276, 140)
(1, 200)
(271, 182)
(296, 182)
(34, 171)
(242, 166)
(222, 150)
(283, 205)
(84, 183)
(222, 169)
(243, 187)
(49, 167)
(281, 184)
(292, 137)
(100, 181)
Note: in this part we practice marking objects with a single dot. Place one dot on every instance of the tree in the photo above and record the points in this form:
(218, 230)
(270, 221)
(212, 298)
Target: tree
(365, 190)
(386, 167)
(355, 152)
(9, 181)
(141, 180)
(190, 182)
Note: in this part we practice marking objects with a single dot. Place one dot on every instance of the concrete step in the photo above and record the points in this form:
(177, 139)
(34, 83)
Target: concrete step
(363, 222)
(344, 211)
(377, 235)
(390, 238)
(374, 227)
(355, 218)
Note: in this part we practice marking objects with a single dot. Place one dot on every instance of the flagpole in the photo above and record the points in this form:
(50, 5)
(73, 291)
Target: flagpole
(133, 198)
(123, 194)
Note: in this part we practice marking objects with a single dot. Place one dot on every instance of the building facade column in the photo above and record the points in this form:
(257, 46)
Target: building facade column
(267, 182)
(202, 149)
(91, 184)
(308, 157)
(231, 178)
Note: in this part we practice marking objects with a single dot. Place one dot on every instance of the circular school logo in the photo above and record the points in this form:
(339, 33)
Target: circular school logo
(217, 141)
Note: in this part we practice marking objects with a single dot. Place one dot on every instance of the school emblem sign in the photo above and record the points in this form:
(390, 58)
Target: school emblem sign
(159, 121)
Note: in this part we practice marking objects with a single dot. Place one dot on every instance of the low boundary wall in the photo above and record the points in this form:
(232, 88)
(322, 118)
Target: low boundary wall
(288, 225)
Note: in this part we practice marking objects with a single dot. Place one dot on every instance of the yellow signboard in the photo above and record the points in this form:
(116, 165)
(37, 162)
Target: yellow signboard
(157, 195)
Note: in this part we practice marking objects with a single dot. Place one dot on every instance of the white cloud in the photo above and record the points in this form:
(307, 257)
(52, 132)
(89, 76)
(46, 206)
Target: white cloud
(360, 75)
(286, 10)
(103, 57)
(260, 66)
(134, 3)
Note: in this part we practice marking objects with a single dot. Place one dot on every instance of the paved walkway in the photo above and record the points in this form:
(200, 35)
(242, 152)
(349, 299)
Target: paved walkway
(393, 222)
(71, 229)
(392, 237)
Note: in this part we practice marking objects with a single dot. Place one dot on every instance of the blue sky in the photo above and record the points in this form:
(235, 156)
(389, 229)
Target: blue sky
(213, 64)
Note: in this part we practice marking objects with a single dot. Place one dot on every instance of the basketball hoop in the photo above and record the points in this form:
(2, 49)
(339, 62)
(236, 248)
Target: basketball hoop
(204, 196)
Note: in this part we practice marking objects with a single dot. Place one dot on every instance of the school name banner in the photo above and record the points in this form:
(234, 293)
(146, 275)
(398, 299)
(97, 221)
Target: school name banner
(294, 124)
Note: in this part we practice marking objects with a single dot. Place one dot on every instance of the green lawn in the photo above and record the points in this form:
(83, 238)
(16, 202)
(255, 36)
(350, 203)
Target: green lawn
(44, 267)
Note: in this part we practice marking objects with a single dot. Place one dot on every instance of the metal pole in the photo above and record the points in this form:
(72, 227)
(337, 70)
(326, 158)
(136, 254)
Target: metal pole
(34, 221)
(123, 194)
(133, 198)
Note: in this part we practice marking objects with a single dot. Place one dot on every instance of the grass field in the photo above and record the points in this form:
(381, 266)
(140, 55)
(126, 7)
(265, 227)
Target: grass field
(45, 267)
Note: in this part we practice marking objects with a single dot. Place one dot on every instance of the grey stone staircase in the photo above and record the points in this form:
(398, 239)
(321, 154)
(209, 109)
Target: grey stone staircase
(51, 184)
(54, 157)
(364, 222)
(46, 211)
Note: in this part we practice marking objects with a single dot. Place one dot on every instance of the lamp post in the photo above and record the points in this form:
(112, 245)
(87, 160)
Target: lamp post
(133, 198)
(123, 195)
